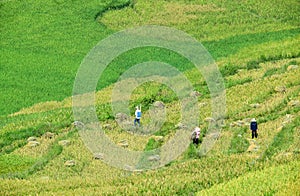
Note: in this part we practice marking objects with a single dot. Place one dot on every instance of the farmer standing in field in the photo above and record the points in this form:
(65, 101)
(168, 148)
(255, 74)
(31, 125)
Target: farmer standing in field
(254, 128)
(196, 135)
(138, 115)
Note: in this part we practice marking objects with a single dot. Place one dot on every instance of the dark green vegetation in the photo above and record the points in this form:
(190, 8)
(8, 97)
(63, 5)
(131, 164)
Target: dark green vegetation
(253, 43)
(42, 46)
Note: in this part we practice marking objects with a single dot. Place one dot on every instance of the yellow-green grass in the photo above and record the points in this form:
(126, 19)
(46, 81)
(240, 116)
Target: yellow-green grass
(215, 17)
(254, 31)
(44, 173)
(184, 175)
(279, 180)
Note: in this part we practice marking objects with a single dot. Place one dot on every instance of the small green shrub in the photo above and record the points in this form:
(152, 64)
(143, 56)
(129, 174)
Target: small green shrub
(150, 92)
(293, 62)
(152, 144)
(275, 70)
(191, 152)
(271, 72)
(228, 70)
(231, 83)
(104, 112)
(253, 65)
(264, 58)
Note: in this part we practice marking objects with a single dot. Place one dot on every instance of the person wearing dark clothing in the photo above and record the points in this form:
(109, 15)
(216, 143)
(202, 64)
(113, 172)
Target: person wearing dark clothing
(254, 128)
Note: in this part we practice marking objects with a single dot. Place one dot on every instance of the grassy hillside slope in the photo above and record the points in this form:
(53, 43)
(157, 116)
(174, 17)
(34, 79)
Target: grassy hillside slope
(43, 43)
(41, 169)
(255, 44)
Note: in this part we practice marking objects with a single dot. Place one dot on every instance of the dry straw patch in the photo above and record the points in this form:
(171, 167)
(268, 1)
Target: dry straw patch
(45, 106)
(135, 142)
(222, 145)
(192, 8)
(292, 188)
(156, 12)
(40, 107)
(175, 13)
(37, 151)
